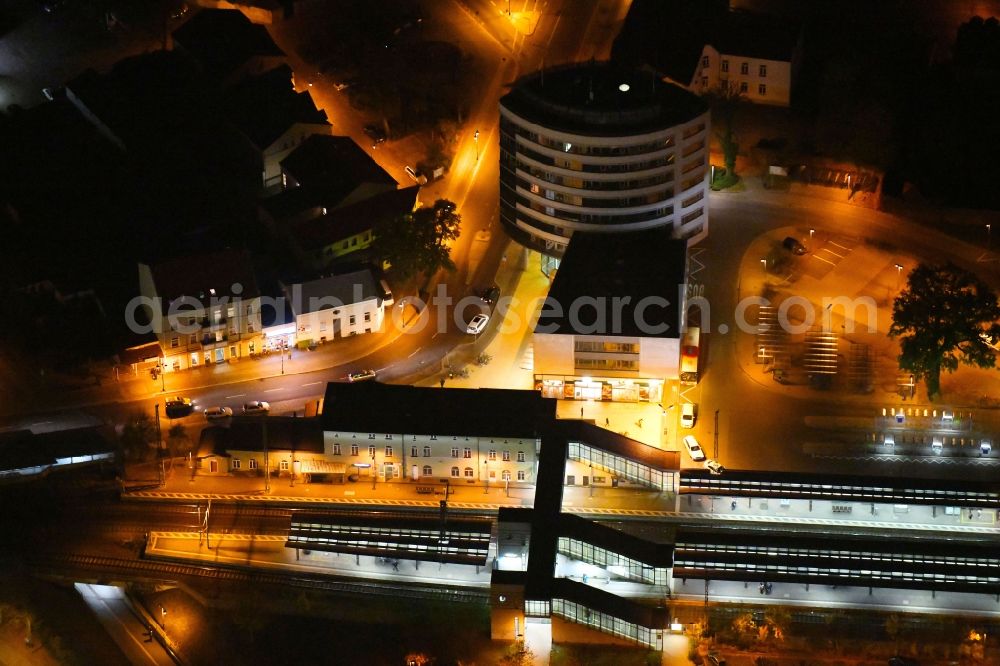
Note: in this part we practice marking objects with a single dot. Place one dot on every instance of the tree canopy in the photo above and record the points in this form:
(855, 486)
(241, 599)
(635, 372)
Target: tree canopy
(944, 316)
(418, 241)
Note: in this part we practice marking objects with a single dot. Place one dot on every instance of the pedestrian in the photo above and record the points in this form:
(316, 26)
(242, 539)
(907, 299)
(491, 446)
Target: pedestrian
(607, 422)
(733, 505)
(442, 382)
(639, 423)
(581, 412)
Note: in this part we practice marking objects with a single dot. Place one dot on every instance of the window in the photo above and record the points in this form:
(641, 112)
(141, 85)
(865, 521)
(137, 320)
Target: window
(468, 452)
(743, 86)
(413, 452)
(454, 471)
(520, 456)
(388, 452)
(427, 470)
(352, 320)
(454, 452)
(744, 68)
(368, 316)
(388, 436)
(252, 463)
(520, 475)
(725, 65)
(284, 466)
(493, 454)
(762, 71)
(371, 451)
(236, 463)
(704, 61)
(506, 456)
(354, 449)
(371, 435)
(505, 475)
(427, 452)
(762, 89)
(704, 82)
(468, 472)
(336, 449)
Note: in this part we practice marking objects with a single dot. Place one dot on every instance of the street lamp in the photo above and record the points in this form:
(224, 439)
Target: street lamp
(475, 137)
(763, 262)
(163, 378)
(899, 273)
(487, 476)
(374, 473)
(811, 232)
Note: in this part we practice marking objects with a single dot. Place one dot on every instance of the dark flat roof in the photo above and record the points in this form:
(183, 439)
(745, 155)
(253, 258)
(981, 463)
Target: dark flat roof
(246, 433)
(196, 275)
(642, 269)
(392, 408)
(22, 448)
(587, 99)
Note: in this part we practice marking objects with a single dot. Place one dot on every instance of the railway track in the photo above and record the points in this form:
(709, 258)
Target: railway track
(171, 571)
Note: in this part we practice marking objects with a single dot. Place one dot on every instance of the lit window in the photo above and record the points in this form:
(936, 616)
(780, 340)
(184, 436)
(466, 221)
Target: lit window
(284, 465)
(493, 454)
(468, 452)
(505, 475)
(336, 449)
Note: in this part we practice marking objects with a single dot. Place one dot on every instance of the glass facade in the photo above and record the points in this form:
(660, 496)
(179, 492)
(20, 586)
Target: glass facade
(625, 566)
(625, 468)
(574, 612)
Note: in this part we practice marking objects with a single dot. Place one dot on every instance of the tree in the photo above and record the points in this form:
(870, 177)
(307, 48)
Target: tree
(944, 316)
(726, 101)
(518, 655)
(418, 242)
(136, 435)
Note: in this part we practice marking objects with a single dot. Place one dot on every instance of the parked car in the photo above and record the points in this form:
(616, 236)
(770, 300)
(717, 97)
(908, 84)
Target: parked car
(714, 466)
(688, 414)
(477, 324)
(217, 413)
(490, 295)
(794, 246)
(256, 407)
(985, 447)
(178, 407)
(693, 449)
(375, 133)
(418, 178)
(361, 375)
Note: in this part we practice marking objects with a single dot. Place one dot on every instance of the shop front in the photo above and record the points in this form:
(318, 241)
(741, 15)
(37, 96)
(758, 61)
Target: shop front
(609, 389)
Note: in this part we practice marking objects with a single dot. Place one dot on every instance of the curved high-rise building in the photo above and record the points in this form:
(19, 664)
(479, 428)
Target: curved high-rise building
(598, 147)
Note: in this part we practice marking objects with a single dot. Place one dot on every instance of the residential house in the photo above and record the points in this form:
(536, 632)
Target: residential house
(273, 117)
(336, 306)
(610, 326)
(282, 444)
(753, 55)
(227, 46)
(204, 308)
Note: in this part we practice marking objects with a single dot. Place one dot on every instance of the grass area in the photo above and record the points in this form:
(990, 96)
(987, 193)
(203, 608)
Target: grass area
(726, 181)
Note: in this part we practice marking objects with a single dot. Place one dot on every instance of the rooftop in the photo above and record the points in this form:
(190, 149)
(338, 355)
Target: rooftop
(352, 219)
(223, 39)
(390, 408)
(602, 99)
(332, 292)
(618, 285)
(246, 433)
(754, 35)
(203, 277)
(325, 160)
(264, 107)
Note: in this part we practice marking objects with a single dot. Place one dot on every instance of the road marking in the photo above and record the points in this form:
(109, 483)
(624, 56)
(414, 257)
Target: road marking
(41, 423)
(816, 256)
(273, 390)
(415, 352)
(238, 395)
(312, 383)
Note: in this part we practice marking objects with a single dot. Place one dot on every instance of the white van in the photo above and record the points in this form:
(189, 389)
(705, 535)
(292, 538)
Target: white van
(937, 445)
(386, 292)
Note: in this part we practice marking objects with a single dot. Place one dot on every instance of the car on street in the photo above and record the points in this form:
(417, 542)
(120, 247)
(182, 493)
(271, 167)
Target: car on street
(217, 413)
(688, 414)
(477, 324)
(418, 178)
(794, 246)
(256, 407)
(179, 407)
(375, 133)
(490, 295)
(693, 449)
(714, 466)
(361, 375)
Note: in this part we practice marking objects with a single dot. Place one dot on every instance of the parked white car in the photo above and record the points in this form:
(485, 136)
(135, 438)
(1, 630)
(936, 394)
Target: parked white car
(256, 407)
(217, 413)
(477, 324)
(689, 411)
(714, 466)
(693, 449)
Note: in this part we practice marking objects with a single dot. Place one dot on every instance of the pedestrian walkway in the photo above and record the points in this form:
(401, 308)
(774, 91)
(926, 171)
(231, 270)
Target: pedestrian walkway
(124, 624)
